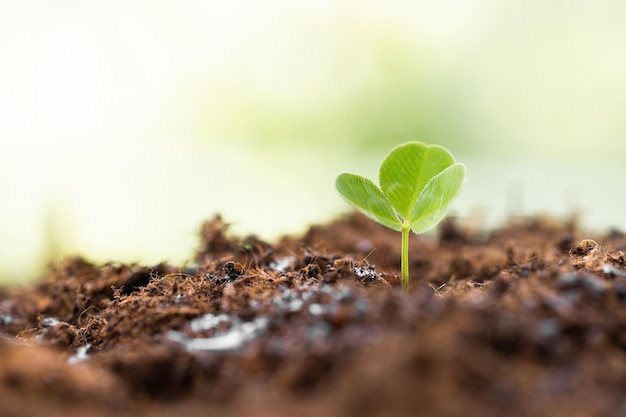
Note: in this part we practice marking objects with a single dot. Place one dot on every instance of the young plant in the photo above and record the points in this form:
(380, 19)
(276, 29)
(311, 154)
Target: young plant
(417, 184)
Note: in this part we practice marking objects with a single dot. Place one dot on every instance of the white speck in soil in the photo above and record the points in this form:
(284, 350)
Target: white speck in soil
(611, 270)
(361, 307)
(80, 355)
(342, 294)
(572, 284)
(233, 339)
(316, 309)
(208, 322)
(6, 319)
(289, 300)
(180, 298)
(367, 273)
(49, 322)
(295, 305)
(282, 264)
(318, 330)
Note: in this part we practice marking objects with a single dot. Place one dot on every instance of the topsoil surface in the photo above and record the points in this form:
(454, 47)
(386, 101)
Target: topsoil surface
(527, 320)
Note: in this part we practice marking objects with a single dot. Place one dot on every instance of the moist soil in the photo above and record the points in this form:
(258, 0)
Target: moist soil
(526, 320)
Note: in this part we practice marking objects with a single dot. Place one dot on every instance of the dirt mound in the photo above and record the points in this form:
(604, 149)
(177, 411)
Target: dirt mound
(529, 320)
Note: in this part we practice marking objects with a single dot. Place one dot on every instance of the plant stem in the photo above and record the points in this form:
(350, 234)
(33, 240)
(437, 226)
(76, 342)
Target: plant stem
(406, 229)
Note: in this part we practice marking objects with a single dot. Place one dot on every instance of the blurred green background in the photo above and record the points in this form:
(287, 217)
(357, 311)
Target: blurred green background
(125, 124)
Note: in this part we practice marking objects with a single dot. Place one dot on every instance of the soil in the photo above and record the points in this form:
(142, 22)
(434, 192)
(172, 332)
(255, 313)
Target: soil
(527, 320)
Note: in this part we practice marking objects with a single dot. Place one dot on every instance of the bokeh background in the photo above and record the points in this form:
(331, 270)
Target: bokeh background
(125, 124)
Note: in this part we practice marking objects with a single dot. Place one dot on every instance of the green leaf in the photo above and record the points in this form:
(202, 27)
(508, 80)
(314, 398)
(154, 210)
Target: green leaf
(368, 198)
(432, 204)
(406, 171)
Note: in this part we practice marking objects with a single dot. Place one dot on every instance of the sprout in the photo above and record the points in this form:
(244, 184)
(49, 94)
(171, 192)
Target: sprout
(417, 184)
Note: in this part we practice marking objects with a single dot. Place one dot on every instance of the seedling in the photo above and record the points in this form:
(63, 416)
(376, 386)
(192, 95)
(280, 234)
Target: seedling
(417, 184)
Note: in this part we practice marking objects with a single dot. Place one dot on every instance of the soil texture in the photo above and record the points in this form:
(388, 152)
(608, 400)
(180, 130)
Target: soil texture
(526, 320)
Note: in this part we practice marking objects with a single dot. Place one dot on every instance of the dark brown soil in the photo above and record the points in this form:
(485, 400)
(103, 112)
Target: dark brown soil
(529, 320)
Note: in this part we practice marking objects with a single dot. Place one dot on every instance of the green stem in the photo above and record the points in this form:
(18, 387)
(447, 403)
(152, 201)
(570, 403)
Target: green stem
(405, 257)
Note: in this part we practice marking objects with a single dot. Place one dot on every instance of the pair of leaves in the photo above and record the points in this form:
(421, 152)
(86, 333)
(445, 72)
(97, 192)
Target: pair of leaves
(417, 184)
